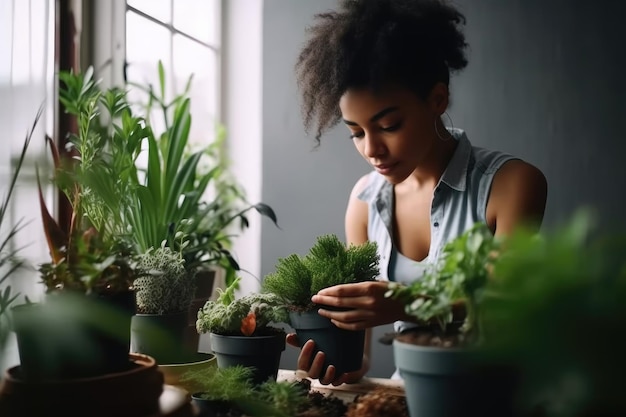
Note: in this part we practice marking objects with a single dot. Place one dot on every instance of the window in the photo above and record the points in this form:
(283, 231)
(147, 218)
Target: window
(26, 83)
(185, 36)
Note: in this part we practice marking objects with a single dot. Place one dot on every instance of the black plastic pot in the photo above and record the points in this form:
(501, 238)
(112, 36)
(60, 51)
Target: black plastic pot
(262, 353)
(210, 408)
(72, 335)
(453, 382)
(342, 348)
(161, 336)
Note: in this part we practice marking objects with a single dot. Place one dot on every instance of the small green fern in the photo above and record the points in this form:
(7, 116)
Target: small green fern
(222, 384)
(328, 263)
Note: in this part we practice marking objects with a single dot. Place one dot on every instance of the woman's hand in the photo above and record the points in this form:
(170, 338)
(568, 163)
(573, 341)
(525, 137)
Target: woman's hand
(313, 365)
(367, 304)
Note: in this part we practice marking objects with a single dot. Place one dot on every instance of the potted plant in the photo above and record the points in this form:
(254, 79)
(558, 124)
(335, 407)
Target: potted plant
(82, 328)
(242, 330)
(557, 307)
(231, 391)
(164, 289)
(296, 279)
(160, 201)
(438, 360)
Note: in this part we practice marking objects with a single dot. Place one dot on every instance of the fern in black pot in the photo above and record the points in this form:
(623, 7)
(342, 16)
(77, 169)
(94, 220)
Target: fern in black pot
(297, 278)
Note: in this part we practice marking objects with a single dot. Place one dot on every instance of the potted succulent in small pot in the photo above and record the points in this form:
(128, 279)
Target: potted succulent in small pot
(164, 289)
(297, 278)
(243, 330)
(439, 360)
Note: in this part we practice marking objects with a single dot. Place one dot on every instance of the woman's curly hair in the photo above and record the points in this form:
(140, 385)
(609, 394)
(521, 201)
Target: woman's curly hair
(367, 43)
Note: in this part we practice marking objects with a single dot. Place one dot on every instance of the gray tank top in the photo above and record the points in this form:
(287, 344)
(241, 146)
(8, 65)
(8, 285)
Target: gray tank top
(459, 202)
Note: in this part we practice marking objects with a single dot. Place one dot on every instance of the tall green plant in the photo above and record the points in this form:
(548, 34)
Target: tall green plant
(162, 201)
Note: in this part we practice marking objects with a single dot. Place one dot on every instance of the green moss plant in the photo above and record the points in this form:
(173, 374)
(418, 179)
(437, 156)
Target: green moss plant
(329, 262)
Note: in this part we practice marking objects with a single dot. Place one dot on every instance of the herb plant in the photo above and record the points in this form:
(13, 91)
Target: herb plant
(461, 275)
(163, 200)
(250, 315)
(328, 263)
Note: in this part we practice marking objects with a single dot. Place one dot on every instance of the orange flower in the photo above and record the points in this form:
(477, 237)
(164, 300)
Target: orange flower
(248, 324)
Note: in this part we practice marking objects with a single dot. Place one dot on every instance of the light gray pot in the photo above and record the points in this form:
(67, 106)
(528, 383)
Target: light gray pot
(453, 382)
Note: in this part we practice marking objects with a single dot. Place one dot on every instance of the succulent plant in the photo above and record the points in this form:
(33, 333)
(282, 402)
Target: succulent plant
(164, 285)
(248, 315)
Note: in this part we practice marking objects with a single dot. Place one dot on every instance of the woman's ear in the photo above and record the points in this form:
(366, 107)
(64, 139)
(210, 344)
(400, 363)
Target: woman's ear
(438, 98)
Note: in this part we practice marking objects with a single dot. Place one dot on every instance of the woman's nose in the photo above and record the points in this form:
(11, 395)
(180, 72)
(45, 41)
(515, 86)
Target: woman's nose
(373, 146)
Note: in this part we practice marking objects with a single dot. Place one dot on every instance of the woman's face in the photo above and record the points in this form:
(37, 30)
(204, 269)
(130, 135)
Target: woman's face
(393, 130)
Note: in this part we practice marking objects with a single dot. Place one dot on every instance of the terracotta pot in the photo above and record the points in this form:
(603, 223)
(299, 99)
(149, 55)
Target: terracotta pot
(131, 393)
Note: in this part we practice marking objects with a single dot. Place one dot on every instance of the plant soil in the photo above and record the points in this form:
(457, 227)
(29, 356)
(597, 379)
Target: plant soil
(429, 337)
(379, 402)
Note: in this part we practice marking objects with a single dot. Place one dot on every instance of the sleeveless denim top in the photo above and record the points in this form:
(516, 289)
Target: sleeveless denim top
(460, 200)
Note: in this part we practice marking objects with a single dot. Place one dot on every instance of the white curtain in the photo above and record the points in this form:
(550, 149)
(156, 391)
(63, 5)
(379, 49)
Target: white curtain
(26, 83)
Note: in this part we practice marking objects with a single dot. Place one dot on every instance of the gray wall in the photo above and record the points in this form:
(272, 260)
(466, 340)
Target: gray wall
(543, 83)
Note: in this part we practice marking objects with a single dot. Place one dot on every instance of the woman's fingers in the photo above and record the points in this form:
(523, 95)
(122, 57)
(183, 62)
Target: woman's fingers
(292, 340)
(306, 356)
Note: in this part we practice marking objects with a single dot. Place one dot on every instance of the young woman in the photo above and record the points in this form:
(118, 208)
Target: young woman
(382, 68)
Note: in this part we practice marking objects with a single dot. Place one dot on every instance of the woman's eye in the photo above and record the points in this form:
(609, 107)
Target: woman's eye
(392, 128)
(356, 135)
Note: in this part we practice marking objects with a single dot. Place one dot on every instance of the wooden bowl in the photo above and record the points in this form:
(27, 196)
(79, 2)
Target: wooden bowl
(130, 393)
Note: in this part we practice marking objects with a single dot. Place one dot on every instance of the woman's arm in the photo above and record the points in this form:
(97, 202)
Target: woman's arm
(517, 198)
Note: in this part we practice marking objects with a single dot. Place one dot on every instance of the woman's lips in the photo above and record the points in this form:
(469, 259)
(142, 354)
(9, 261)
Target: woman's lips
(385, 169)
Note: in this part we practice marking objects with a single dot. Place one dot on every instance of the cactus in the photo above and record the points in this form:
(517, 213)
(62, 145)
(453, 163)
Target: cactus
(164, 285)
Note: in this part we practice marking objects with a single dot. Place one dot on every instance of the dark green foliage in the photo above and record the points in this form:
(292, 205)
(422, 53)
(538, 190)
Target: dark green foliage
(460, 274)
(328, 263)
(556, 310)
(291, 281)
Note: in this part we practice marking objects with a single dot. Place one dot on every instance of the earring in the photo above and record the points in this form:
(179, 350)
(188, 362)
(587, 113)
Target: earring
(449, 135)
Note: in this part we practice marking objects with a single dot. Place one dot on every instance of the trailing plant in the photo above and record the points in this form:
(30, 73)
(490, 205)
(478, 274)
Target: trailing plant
(164, 285)
(461, 275)
(328, 263)
(250, 315)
